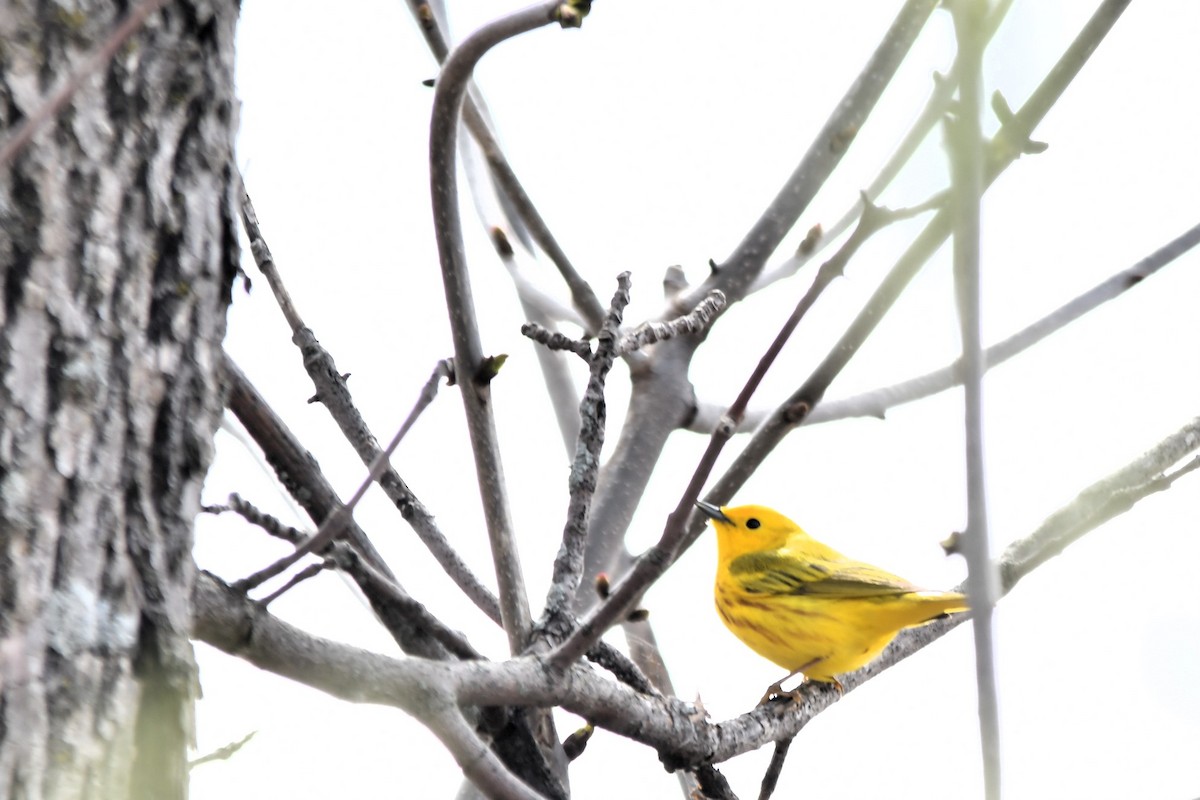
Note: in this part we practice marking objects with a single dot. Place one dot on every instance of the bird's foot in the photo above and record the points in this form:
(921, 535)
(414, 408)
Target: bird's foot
(775, 690)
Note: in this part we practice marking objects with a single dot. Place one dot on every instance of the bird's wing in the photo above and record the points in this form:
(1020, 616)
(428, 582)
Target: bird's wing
(777, 572)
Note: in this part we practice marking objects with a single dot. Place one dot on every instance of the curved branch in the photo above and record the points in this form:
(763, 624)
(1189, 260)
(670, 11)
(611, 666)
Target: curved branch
(468, 350)
(518, 206)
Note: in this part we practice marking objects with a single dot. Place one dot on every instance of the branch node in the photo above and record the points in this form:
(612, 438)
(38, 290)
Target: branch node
(571, 13)
(554, 340)
(489, 368)
(813, 238)
(574, 745)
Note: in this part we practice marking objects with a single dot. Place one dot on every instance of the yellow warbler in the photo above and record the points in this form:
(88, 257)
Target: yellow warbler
(804, 605)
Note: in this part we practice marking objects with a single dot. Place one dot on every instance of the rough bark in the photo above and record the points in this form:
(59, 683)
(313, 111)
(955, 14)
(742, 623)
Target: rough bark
(117, 253)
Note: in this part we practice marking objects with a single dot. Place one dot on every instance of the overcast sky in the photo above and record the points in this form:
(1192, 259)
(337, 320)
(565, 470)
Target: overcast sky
(655, 136)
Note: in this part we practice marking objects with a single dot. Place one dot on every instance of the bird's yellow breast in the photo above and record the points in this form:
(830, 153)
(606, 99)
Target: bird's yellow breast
(804, 605)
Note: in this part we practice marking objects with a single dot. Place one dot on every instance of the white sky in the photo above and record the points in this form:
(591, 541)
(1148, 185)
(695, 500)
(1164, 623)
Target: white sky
(655, 136)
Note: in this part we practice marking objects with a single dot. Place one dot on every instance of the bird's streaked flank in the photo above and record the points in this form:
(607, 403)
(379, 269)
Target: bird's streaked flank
(805, 606)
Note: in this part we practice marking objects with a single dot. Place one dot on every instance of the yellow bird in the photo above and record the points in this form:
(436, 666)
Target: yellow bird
(805, 606)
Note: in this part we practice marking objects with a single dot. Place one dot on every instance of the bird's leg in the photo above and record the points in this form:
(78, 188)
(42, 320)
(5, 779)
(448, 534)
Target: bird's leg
(776, 688)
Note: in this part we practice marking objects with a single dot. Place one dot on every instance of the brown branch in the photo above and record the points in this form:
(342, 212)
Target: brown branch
(311, 571)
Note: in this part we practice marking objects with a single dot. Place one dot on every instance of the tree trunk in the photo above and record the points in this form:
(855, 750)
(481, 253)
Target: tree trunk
(117, 254)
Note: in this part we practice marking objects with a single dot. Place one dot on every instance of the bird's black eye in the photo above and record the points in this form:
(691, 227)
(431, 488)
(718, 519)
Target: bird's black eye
(752, 523)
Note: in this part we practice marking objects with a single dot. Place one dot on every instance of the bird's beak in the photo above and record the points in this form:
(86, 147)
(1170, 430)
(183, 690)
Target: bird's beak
(711, 511)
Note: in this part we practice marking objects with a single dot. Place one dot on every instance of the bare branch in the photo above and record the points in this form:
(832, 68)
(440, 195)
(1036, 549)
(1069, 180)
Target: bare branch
(712, 784)
(1100, 502)
(297, 470)
(1006, 148)
(568, 564)
(229, 621)
(876, 402)
(771, 778)
(554, 340)
(696, 321)
(823, 155)
(222, 753)
(468, 350)
(295, 467)
(376, 584)
(518, 206)
(335, 523)
(261, 519)
(542, 311)
(965, 143)
(311, 571)
(479, 764)
(335, 396)
(935, 107)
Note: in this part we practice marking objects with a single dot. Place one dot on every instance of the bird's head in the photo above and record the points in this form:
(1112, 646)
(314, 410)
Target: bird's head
(745, 529)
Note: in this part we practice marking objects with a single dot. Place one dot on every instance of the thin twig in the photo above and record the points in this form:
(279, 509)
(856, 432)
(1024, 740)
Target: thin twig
(554, 340)
(568, 564)
(935, 107)
(877, 401)
(651, 564)
(771, 778)
(295, 467)
(269, 523)
(1008, 145)
(468, 350)
(696, 321)
(93, 65)
(379, 585)
(311, 571)
(334, 524)
(222, 753)
(539, 309)
(824, 154)
(231, 622)
(518, 207)
(965, 145)
(335, 396)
